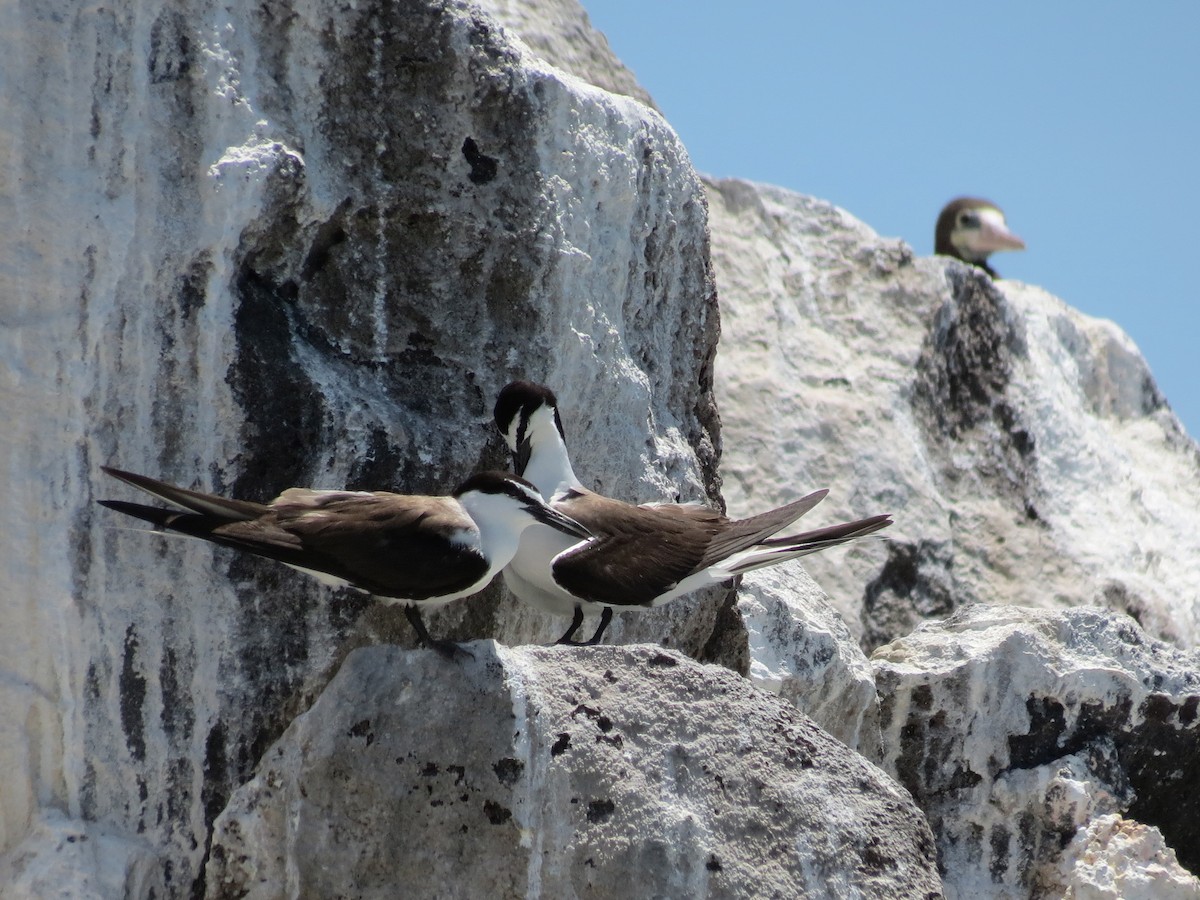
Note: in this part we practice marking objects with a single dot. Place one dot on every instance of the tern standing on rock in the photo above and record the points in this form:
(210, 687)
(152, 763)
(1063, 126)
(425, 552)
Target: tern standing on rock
(641, 556)
(400, 548)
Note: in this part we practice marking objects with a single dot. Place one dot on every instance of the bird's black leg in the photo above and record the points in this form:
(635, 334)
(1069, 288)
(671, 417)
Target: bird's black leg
(446, 648)
(605, 618)
(576, 621)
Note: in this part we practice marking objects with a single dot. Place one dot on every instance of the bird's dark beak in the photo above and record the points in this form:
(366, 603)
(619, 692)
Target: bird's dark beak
(549, 516)
(520, 456)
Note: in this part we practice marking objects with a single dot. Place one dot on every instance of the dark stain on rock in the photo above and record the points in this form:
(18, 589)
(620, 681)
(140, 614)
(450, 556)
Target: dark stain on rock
(345, 607)
(560, 746)
(713, 864)
(191, 288)
(966, 364)
(133, 698)
(284, 413)
(92, 696)
(496, 814)
(362, 729)
(176, 92)
(922, 697)
(999, 840)
(171, 54)
(590, 711)
(178, 799)
(214, 795)
(178, 714)
(1158, 754)
(376, 467)
(330, 235)
(961, 386)
(599, 810)
(483, 167)
(508, 770)
(662, 661)
(214, 792)
(1187, 711)
(915, 582)
(1162, 760)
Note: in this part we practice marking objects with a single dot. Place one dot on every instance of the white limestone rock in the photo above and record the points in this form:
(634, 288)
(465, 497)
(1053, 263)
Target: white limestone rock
(801, 650)
(70, 858)
(261, 245)
(1014, 727)
(560, 32)
(530, 772)
(1115, 859)
(1022, 446)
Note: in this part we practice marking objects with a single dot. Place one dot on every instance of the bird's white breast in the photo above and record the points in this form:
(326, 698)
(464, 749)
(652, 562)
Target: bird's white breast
(529, 575)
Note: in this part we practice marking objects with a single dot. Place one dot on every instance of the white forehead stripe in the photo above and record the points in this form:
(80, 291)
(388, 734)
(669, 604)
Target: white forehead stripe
(993, 217)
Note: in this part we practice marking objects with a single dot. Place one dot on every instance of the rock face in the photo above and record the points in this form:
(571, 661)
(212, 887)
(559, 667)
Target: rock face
(1022, 446)
(1012, 728)
(296, 243)
(616, 771)
(801, 650)
(258, 246)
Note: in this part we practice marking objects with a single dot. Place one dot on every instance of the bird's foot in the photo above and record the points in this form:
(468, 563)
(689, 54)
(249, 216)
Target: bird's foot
(568, 642)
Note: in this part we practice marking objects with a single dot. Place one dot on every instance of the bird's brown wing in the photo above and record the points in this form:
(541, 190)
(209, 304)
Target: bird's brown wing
(389, 545)
(638, 553)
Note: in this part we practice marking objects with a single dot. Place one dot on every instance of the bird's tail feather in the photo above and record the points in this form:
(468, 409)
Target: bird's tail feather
(776, 550)
(207, 504)
(188, 523)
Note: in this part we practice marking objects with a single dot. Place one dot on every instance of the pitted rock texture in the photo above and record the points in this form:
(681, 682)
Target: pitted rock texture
(615, 771)
(300, 243)
(1016, 441)
(1115, 859)
(1013, 727)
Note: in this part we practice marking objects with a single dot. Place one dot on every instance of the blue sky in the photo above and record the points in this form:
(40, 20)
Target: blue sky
(1081, 120)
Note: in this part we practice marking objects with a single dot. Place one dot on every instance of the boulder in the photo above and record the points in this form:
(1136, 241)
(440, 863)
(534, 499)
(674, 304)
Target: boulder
(1114, 859)
(800, 649)
(529, 772)
(1015, 727)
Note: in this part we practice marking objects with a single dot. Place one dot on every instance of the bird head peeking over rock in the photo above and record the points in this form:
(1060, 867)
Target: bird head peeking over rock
(971, 229)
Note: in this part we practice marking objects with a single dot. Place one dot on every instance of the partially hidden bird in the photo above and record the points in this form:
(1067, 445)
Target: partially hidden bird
(972, 229)
(421, 551)
(640, 556)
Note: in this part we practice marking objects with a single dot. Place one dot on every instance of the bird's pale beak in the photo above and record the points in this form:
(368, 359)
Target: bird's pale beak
(995, 236)
(549, 516)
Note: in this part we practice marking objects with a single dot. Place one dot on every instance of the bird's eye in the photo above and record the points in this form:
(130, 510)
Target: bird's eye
(968, 219)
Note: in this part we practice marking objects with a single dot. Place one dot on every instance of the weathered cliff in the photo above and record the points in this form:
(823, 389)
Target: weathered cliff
(301, 244)
(1023, 447)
